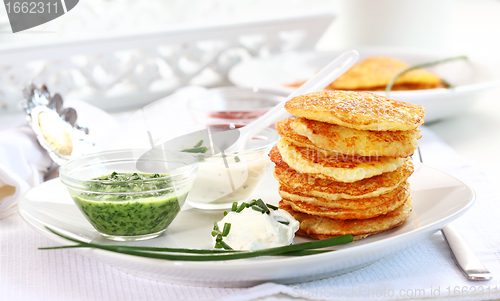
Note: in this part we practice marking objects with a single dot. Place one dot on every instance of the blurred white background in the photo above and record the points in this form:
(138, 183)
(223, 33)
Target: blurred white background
(460, 26)
(445, 24)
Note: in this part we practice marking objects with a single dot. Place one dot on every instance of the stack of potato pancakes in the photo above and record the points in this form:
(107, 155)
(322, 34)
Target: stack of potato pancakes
(342, 162)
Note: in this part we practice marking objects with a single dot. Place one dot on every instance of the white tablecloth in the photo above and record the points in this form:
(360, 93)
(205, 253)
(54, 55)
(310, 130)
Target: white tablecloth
(424, 270)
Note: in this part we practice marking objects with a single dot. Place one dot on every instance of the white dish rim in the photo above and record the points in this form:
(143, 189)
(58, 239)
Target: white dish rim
(229, 265)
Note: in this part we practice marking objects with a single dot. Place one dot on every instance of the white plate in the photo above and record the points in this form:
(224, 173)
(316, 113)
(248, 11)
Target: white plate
(438, 198)
(470, 77)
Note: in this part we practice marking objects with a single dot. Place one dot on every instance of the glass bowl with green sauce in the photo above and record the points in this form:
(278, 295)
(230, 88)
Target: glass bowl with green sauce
(129, 195)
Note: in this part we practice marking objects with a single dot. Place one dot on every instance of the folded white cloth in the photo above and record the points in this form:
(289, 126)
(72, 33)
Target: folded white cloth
(24, 163)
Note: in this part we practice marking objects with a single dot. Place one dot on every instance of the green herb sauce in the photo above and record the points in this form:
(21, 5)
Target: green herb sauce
(130, 214)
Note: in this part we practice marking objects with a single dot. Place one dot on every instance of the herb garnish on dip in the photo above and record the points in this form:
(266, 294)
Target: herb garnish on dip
(254, 226)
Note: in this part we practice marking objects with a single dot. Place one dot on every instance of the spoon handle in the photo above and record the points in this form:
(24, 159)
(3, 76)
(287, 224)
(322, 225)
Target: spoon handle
(328, 74)
(316, 83)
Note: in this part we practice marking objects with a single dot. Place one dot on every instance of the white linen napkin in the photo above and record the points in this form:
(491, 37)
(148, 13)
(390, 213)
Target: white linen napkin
(24, 163)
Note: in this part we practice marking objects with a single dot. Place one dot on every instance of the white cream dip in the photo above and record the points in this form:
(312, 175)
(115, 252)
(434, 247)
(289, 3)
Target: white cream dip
(218, 184)
(253, 230)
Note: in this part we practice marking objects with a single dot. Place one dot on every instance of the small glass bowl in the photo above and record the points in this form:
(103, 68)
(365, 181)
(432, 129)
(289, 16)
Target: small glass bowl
(139, 207)
(232, 177)
(233, 104)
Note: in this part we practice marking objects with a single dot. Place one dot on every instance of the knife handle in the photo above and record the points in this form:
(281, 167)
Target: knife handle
(464, 257)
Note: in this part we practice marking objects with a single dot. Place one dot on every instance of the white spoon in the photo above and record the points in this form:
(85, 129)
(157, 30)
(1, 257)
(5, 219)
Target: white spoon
(316, 83)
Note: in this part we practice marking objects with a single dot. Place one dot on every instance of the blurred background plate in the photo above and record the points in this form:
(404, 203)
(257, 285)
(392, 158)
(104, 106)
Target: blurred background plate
(469, 77)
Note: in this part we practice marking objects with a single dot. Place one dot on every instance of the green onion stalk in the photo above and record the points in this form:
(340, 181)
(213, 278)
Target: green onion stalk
(181, 254)
(388, 87)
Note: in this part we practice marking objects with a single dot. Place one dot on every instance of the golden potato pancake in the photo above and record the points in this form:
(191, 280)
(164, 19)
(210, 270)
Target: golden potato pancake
(283, 127)
(351, 204)
(374, 73)
(334, 190)
(322, 227)
(347, 209)
(351, 141)
(339, 167)
(357, 110)
(277, 159)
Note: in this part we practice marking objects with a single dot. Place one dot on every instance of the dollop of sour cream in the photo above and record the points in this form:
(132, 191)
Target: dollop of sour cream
(253, 230)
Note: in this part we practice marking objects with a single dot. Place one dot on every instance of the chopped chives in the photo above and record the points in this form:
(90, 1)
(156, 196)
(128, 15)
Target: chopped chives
(202, 149)
(257, 208)
(227, 227)
(263, 206)
(272, 206)
(218, 238)
(224, 245)
(242, 206)
(198, 144)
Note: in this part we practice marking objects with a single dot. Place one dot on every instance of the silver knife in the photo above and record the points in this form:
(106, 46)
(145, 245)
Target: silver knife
(464, 257)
